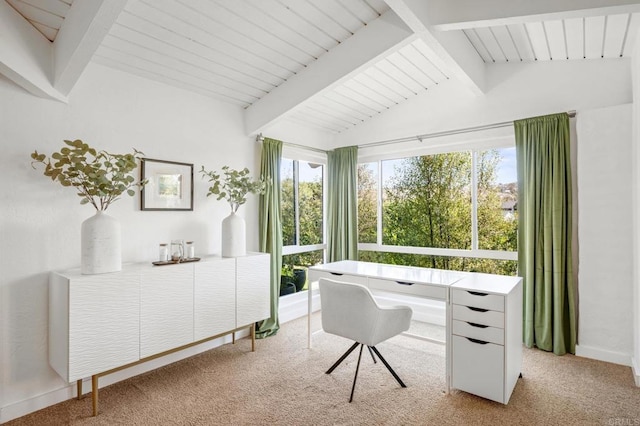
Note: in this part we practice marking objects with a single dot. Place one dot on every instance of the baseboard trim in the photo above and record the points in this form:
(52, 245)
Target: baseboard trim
(604, 355)
(636, 371)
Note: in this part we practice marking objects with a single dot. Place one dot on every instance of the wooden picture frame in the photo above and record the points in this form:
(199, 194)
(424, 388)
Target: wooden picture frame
(169, 186)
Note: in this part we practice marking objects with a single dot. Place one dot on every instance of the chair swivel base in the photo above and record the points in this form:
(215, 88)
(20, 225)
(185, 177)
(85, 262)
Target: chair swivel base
(372, 350)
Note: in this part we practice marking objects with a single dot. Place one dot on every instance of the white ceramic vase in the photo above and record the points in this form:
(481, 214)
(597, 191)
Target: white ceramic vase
(101, 245)
(234, 236)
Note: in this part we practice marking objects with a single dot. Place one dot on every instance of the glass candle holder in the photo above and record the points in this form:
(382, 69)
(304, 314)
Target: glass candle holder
(163, 253)
(177, 250)
(190, 250)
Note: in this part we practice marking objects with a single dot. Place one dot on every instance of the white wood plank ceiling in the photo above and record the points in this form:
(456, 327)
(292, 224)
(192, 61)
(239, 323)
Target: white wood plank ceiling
(566, 39)
(392, 80)
(45, 15)
(239, 51)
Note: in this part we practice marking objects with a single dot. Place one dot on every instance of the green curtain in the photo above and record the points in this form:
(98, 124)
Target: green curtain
(544, 232)
(342, 204)
(270, 228)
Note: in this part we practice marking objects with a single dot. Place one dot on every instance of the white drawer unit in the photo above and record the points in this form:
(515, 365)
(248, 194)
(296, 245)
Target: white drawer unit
(337, 276)
(478, 315)
(486, 335)
(408, 287)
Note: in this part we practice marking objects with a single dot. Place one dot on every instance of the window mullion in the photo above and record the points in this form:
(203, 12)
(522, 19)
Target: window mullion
(474, 200)
(379, 205)
(296, 202)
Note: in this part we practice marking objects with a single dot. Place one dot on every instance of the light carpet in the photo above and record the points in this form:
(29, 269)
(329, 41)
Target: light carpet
(283, 383)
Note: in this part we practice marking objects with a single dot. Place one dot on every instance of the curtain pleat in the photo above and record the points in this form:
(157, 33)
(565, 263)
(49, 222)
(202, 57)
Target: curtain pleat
(270, 228)
(342, 204)
(544, 232)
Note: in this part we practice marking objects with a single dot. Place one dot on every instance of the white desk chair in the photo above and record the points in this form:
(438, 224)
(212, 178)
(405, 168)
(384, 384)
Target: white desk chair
(349, 310)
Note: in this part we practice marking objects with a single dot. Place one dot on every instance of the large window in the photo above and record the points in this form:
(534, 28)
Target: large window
(302, 216)
(453, 210)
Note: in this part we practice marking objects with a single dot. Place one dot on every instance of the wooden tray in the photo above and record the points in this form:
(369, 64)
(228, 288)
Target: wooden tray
(175, 262)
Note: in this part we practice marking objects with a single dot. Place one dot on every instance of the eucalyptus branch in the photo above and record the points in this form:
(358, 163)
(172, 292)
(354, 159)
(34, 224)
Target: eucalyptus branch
(99, 176)
(233, 185)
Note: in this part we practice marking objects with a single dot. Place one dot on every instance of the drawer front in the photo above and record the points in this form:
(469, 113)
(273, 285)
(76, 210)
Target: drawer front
(430, 291)
(478, 368)
(479, 332)
(471, 314)
(347, 278)
(493, 302)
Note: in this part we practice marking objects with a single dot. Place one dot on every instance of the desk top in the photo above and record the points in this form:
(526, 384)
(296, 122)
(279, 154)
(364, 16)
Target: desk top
(413, 274)
(473, 281)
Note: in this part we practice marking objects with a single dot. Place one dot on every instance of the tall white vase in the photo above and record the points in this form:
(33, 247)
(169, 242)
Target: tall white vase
(101, 245)
(234, 236)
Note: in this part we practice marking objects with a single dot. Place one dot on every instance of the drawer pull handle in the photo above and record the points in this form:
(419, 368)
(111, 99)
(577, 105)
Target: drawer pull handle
(336, 273)
(473, 324)
(477, 293)
(404, 283)
(480, 342)
(477, 309)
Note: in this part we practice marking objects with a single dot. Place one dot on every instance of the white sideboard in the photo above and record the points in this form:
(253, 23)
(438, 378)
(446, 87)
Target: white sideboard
(102, 323)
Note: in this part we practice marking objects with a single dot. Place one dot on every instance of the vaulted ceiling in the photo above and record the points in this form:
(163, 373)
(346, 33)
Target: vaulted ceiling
(326, 64)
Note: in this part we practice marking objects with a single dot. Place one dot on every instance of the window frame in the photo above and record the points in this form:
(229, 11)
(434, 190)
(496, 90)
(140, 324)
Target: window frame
(296, 155)
(507, 141)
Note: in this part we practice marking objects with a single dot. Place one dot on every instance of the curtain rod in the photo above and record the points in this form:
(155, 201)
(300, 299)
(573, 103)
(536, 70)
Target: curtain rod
(260, 138)
(445, 133)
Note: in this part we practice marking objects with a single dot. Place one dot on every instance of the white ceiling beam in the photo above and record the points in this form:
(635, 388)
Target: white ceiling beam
(337, 65)
(460, 14)
(25, 55)
(453, 50)
(85, 26)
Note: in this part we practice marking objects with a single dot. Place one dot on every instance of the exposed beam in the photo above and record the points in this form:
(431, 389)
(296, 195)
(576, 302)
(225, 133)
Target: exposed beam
(455, 15)
(340, 63)
(25, 54)
(452, 49)
(82, 32)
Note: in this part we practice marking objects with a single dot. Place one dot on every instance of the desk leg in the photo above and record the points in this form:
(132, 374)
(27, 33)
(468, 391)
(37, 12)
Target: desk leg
(309, 311)
(448, 340)
(79, 386)
(94, 394)
(253, 337)
(233, 338)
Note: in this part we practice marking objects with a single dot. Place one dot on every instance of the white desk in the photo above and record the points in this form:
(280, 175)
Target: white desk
(483, 318)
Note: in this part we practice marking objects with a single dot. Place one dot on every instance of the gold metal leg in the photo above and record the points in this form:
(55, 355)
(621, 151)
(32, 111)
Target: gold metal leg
(233, 338)
(253, 337)
(79, 386)
(94, 393)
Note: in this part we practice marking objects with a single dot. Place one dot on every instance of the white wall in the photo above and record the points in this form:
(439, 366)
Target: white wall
(604, 223)
(636, 206)
(40, 221)
(516, 91)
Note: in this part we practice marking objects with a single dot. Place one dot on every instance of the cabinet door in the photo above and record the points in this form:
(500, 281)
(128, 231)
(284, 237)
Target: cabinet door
(253, 288)
(104, 325)
(215, 297)
(478, 368)
(166, 308)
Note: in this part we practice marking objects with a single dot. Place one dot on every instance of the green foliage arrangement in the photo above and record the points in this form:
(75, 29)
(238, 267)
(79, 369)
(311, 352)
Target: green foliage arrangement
(99, 176)
(233, 185)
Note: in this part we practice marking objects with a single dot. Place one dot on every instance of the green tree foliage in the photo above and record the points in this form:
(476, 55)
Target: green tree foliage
(367, 204)
(427, 203)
